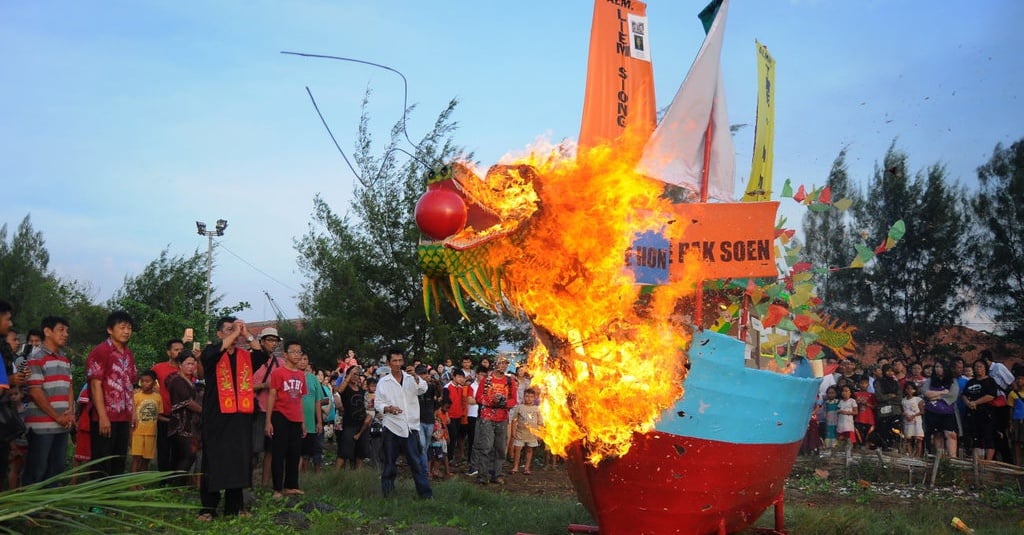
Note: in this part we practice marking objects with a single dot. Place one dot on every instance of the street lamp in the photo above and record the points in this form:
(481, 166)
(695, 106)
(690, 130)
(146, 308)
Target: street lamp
(218, 230)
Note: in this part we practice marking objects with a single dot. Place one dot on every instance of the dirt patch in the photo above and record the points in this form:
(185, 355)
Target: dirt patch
(541, 481)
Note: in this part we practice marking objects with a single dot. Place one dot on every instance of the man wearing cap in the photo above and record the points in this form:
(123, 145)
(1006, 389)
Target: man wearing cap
(263, 350)
(496, 394)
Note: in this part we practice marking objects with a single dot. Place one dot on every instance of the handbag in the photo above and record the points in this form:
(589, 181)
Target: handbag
(999, 401)
(938, 406)
(11, 424)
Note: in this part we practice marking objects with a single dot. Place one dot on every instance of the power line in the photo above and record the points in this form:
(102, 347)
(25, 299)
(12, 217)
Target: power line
(264, 273)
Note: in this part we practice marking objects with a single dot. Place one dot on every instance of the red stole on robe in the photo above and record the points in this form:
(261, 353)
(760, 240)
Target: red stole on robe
(236, 396)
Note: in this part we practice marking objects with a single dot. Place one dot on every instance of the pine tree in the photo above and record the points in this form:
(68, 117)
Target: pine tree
(915, 288)
(829, 236)
(998, 243)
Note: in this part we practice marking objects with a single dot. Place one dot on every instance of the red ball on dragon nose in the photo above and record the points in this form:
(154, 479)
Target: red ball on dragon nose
(440, 213)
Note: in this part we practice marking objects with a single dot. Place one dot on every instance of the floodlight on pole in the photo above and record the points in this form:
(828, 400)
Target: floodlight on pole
(221, 226)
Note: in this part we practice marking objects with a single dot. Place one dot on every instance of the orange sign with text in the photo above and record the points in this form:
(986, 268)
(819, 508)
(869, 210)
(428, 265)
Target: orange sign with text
(728, 240)
(619, 99)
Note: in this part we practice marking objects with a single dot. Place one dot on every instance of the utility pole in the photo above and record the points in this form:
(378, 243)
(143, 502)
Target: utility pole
(218, 230)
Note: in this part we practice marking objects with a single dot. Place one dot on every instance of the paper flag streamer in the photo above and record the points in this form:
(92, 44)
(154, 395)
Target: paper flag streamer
(825, 197)
(787, 189)
(775, 314)
(800, 195)
(865, 255)
(896, 233)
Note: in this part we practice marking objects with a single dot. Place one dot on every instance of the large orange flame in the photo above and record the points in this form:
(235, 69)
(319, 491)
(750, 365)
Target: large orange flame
(611, 357)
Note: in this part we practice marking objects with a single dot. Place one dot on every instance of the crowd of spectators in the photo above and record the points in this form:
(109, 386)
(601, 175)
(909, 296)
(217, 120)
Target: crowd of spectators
(248, 409)
(921, 408)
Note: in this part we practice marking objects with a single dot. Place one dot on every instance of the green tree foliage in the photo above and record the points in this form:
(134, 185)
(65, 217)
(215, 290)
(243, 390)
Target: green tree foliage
(829, 238)
(998, 245)
(35, 292)
(364, 288)
(916, 288)
(168, 296)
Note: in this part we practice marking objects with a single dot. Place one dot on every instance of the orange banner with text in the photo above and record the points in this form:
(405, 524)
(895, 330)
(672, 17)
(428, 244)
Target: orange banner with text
(728, 240)
(619, 100)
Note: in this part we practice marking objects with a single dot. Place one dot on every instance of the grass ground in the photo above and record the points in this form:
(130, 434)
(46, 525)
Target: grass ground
(840, 503)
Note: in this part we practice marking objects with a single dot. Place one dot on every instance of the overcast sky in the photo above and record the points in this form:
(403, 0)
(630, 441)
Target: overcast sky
(124, 122)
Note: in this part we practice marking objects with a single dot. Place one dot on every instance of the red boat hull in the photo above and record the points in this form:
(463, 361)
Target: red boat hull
(675, 484)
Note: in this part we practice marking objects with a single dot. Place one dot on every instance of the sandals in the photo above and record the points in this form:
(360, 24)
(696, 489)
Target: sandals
(526, 472)
(515, 471)
(205, 517)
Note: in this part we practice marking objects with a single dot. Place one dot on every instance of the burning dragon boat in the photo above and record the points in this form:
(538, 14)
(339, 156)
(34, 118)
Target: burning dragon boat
(666, 428)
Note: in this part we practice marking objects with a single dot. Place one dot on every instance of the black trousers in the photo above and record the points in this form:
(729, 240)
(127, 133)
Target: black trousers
(210, 500)
(469, 433)
(115, 446)
(5, 453)
(164, 448)
(455, 433)
(286, 449)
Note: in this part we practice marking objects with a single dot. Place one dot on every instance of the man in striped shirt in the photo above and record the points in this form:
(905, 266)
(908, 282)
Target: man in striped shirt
(50, 414)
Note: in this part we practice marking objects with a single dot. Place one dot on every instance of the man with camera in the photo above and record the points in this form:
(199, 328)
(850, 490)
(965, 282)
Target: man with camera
(354, 437)
(33, 340)
(495, 395)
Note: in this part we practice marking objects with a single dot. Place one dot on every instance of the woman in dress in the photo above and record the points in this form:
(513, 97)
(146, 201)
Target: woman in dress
(183, 427)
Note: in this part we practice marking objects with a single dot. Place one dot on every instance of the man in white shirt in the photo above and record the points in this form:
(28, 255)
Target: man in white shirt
(997, 371)
(397, 400)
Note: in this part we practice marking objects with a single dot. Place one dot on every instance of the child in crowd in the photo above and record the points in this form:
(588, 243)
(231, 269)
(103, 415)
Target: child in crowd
(831, 417)
(1016, 430)
(525, 418)
(83, 449)
(376, 423)
(847, 410)
(913, 419)
(19, 446)
(916, 375)
(550, 459)
(865, 420)
(438, 453)
(148, 405)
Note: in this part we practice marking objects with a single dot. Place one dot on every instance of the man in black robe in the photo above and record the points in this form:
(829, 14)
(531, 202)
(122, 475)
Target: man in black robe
(228, 408)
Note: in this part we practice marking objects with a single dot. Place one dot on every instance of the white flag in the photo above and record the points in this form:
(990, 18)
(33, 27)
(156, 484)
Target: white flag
(675, 152)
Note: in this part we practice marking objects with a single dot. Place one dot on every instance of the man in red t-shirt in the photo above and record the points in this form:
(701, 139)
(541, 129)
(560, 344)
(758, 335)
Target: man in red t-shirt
(164, 453)
(285, 422)
(496, 395)
(111, 371)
